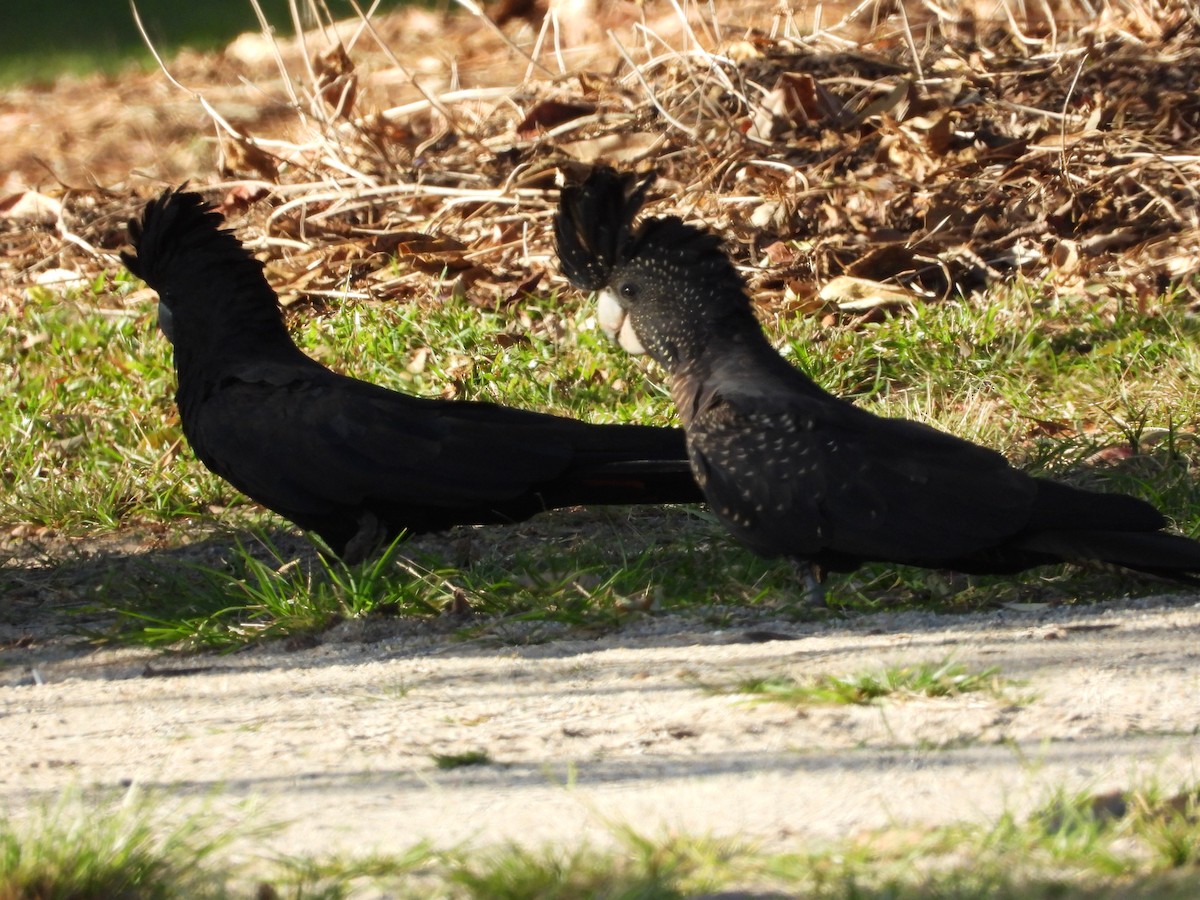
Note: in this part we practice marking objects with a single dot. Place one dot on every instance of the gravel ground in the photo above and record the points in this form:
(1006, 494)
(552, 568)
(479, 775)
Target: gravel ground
(337, 741)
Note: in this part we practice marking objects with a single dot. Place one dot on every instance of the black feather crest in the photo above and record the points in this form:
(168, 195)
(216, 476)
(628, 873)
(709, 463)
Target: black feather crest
(174, 224)
(594, 223)
(595, 235)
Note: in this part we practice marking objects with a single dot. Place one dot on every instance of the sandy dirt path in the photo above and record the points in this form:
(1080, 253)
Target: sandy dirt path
(337, 741)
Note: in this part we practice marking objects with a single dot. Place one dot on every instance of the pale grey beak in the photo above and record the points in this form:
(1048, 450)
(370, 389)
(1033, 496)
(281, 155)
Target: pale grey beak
(616, 323)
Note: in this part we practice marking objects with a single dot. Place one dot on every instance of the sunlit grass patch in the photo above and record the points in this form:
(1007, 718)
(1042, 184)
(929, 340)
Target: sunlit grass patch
(1089, 827)
(942, 679)
(90, 439)
(88, 432)
(667, 867)
(464, 759)
(262, 593)
(1075, 845)
(116, 851)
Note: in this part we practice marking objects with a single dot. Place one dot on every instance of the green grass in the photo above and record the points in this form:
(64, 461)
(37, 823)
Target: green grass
(663, 868)
(40, 42)
(91, 445)
(89, 435)
(942, 679)
(1142, 842)
(258, 591)
(460, 760)
(264, 593)
(69, 851)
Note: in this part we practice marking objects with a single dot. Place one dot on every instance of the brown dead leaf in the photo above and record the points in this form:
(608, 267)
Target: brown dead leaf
(617, 149)
(1064, 255)
(772, 215)
(906, 152)
(503, 11)
(506, 339)
(791, 102)
(437, 255)
(239, 197)
(1050, 428)
(242, 157)
(522, 290)
(1056, 142)
(934, 131)
(893, 104)
(800, 298)
(796, 100)
(337, 82)
(780, 253)
(345, 252)
(409, 243)
(882, 262)
(291, 283)
(944, 215)
(1110, 455)
(549, 113)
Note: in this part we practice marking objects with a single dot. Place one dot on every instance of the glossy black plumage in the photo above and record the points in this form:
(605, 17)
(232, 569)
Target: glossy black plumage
(796, 472)
(352, 461)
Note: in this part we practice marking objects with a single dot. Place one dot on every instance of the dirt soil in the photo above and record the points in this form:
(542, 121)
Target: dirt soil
(338, 741)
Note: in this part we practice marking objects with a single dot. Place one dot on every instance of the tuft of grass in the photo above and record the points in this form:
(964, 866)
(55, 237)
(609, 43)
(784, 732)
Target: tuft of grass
(461, 760)
(397, 874)
(1080, 826)
(641, 868)
(942, 679)
(262, 593)
(1074, 846)
(70, 851)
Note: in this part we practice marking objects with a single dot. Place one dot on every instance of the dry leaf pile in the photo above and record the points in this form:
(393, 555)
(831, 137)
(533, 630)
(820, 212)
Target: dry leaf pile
(889, 154)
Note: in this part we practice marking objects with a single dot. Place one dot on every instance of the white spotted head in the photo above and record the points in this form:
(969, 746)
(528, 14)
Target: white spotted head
(663, 286)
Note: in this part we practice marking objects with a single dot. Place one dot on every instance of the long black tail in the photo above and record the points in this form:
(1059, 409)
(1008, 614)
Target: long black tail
(1114, 528)
(1155, 553)
(608, 463)
(1069, 524)
(631, 481)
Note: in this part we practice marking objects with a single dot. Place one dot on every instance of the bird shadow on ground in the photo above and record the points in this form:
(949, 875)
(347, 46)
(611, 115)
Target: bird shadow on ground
(1092, 750)
(67, 598)
(68, 595)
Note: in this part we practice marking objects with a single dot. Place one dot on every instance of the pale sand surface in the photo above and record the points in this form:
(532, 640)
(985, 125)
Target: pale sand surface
(337, 741)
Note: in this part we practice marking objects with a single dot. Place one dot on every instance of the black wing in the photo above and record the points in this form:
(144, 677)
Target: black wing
(809, 479)
(318, 450)
(822, 479)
